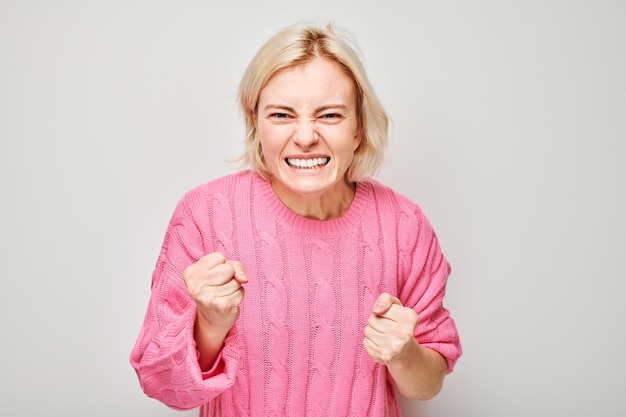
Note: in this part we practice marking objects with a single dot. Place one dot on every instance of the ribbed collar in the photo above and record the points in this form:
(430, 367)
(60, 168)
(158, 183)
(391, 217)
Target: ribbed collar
(321, 228)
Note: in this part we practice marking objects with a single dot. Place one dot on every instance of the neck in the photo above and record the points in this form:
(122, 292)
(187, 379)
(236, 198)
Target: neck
(326, 206)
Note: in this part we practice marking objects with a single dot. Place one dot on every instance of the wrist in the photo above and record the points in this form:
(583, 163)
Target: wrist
(209, 341)
(209, 328)
(411, 353)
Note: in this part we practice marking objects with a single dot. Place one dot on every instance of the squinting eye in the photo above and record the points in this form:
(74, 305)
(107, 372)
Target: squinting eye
(331, 116)
(280, 115)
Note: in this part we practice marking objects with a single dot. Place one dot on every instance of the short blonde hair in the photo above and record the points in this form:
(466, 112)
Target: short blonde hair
(296, 45)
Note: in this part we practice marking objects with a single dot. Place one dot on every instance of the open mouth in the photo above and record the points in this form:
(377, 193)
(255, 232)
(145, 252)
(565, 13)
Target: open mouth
(307, 163)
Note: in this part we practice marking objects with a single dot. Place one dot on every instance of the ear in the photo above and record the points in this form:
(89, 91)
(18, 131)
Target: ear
(358, 137)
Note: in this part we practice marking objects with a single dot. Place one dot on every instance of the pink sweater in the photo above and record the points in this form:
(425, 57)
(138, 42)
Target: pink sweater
(296, 349)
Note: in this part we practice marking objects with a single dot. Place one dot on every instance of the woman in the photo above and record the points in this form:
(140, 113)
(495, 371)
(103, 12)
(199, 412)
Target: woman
(299, 287)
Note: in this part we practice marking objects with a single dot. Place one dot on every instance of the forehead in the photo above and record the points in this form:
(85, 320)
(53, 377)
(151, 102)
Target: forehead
(318, 79)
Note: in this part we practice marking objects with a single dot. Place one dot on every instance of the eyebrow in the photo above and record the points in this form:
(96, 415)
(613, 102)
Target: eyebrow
(317, 110)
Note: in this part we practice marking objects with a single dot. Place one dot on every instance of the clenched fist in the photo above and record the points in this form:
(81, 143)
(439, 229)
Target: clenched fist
(389, 334)
(215, 284)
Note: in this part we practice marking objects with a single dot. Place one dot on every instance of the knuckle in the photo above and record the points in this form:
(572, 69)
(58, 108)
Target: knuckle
(188, 272)
(411, 313)
(217, 257)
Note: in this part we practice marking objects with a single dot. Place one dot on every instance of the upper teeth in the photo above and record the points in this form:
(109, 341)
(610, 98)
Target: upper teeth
(307, 163)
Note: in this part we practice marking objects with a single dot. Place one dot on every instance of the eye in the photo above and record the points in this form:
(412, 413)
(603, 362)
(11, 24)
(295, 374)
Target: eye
(331, 118)
(279, 116)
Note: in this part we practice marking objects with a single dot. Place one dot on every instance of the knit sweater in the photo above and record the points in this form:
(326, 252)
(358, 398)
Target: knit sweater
(297, 346)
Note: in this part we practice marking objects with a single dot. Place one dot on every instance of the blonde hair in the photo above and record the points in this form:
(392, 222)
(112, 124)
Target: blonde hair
(296, 45)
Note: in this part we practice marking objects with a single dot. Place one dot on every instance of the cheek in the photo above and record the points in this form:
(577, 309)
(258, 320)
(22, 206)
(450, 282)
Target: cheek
(275, 135)
(270, 145)
(350, 140)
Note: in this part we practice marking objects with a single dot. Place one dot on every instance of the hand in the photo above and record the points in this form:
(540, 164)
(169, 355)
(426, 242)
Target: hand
(215, 284)
(390, 330)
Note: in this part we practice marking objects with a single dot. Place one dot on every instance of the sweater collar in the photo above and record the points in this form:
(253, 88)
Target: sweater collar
(276, 209)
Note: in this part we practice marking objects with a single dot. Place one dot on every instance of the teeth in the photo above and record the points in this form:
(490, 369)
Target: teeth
(307, 163)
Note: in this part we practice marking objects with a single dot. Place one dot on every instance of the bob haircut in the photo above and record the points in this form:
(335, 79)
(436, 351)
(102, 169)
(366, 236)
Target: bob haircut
(296, 45)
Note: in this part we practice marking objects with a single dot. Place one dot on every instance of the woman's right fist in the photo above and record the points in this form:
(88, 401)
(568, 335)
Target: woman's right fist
(215, 284)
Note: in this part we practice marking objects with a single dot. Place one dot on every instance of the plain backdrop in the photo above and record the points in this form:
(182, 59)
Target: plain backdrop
(509, 129)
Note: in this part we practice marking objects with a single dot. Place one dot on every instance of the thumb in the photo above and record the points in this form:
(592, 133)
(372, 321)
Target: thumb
(240, 274)
(383, 303)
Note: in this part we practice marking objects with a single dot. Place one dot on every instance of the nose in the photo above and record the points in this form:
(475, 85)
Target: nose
(306, 133)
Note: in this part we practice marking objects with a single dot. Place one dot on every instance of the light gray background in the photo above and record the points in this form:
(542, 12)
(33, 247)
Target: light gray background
(508, 129)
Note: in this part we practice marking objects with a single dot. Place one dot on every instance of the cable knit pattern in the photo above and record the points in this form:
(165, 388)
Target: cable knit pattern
(296, 349)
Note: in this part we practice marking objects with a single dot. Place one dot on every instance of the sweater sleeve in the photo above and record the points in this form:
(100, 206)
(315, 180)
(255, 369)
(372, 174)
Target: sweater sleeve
(165, 355)
(423, 287)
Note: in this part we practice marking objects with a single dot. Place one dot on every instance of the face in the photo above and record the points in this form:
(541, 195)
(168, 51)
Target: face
(308, 127)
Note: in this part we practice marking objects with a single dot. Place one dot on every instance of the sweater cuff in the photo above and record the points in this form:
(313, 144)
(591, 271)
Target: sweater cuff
(218, 366)
(228, 357)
